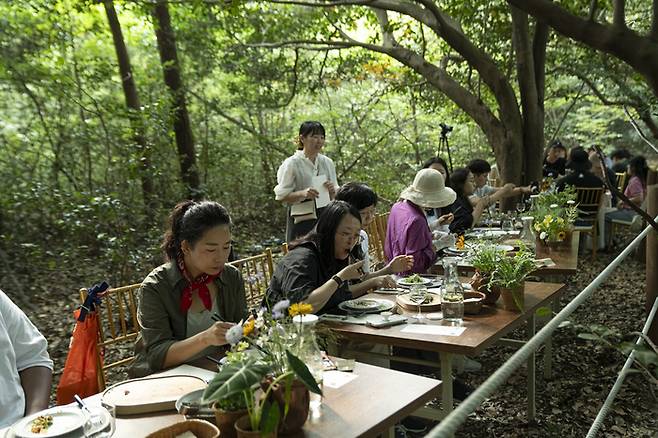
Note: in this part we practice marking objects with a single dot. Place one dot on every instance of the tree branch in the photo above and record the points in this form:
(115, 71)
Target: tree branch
(593, 5)
(216, 107)
(619, 14)
(653, 34)
(639, 52)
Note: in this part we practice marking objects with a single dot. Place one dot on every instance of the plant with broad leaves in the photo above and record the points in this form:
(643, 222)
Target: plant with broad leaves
(272, 338)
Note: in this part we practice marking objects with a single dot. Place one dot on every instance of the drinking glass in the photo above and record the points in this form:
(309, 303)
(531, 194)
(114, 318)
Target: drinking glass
(111, 428)
(507, 223)
(520, 208)
(417, 296)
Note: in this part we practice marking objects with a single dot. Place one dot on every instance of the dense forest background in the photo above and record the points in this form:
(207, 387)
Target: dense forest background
(113, 111)
(97, 142)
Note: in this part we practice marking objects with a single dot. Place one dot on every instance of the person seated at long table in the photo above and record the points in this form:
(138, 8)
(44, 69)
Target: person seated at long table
(364, 199)
(25, 368)
(318, 266)
(408, 232)
(463, 183)
(187, 305)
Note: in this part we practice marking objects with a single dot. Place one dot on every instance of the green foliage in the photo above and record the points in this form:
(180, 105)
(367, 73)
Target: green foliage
(513, 270)
(236, 378)
(646, 354)
(486, 257)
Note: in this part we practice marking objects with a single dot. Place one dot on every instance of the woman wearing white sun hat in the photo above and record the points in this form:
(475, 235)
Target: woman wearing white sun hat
(407, 231)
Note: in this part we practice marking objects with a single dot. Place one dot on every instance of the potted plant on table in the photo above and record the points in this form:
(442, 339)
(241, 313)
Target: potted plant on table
(228, 410)
(266, 373)
(510, 275)
(485, 259)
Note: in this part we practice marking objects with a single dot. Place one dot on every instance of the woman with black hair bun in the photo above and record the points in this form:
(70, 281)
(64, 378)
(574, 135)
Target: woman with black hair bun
(318, 267)
(180, 301)
(295, 180)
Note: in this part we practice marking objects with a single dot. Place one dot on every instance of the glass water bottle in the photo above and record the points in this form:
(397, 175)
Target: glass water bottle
(452, 293)
(527, 235)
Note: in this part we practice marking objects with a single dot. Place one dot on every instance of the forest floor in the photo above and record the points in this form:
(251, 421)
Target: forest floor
(583, 371)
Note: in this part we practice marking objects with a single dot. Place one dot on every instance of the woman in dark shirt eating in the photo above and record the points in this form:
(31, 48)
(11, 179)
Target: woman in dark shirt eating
(317, 268)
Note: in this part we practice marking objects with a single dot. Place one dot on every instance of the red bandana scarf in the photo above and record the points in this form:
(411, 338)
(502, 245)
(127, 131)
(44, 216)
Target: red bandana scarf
(200, 284)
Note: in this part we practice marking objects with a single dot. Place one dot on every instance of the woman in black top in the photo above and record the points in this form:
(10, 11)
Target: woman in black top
(466, 214)
(555, 161)
(317, 269)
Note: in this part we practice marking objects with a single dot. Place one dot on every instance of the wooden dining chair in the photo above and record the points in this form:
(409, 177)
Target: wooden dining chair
(117, 329)
(256, 273)
(376, 239)
(621, 180)
(589, 203)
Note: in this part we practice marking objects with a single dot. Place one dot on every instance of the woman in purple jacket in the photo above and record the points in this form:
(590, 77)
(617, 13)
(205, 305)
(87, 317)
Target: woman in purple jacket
(407, 232)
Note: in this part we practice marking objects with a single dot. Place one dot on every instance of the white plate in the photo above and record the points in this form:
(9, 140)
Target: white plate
(505, 247)
(382, 305)
(66, 421)
(457, 250)
(361, 304)
(402, 282)
(100, 420)
(204, 411)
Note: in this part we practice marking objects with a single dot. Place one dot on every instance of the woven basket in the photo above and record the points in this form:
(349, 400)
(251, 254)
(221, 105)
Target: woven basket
(200, 428)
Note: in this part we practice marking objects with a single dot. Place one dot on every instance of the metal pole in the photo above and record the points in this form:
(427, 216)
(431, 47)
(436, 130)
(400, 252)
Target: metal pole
(449, 425)
(603, 412)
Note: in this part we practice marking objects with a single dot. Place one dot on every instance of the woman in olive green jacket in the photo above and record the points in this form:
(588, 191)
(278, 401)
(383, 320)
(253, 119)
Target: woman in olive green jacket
(186, 306)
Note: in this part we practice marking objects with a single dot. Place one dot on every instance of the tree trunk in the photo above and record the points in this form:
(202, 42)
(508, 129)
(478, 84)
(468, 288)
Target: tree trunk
(530, 76)
(181, 119)
(133, 104)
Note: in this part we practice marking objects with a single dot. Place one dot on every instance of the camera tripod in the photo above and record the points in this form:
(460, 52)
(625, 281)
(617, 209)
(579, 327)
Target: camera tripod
(443, 143)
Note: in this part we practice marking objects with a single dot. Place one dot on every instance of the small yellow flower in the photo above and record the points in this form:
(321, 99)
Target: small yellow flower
(460, 242)
(248, 327)
(242, 346)
(561, 235)
(300, 309)
(537, 227)
(560, 220)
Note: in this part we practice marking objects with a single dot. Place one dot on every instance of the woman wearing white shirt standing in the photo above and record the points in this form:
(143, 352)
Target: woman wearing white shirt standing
(296, 173)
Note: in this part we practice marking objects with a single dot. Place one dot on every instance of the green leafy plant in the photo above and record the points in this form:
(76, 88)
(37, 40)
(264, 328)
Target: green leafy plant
(271, 337)
(486, 257)
(511, 271)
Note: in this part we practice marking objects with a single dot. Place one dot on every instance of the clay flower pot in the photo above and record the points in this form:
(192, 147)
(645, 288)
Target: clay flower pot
(513, 298)
(298, 407)
(243, 429)
(225, 421)
(480, 282)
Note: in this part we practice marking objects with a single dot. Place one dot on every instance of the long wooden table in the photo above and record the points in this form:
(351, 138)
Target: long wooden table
(482, 331)
(565, 259)
(366, 406)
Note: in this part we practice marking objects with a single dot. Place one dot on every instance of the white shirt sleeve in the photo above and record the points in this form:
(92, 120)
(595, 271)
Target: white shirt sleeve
(332, 171)
(364, 248)
(30, 346)
(285, 178)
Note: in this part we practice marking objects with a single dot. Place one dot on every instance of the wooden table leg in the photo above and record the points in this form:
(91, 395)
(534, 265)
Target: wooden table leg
(446, 382)
(532, 411)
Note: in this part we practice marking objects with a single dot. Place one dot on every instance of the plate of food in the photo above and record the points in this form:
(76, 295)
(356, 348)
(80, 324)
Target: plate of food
(413, 280)
(191, 406)
(366, 305)
(50, 423)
